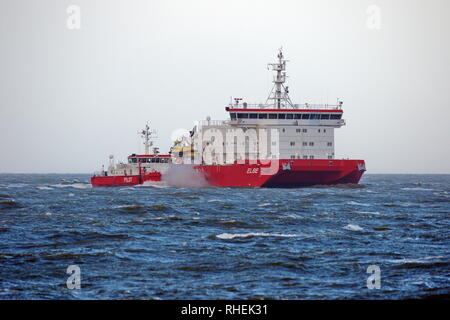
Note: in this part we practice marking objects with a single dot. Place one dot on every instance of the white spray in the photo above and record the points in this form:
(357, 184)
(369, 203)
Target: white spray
(184, 176)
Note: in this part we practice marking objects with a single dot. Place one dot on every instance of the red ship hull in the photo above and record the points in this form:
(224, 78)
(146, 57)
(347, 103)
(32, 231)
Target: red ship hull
(289, 173)
(284, 174)
(123, 180)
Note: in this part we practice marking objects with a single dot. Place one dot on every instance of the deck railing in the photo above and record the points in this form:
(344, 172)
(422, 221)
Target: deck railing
(294, 106)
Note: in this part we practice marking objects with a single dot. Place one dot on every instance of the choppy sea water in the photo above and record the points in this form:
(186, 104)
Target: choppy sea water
(157, 242)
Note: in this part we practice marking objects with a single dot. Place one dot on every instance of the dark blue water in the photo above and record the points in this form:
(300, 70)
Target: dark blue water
(181, 243)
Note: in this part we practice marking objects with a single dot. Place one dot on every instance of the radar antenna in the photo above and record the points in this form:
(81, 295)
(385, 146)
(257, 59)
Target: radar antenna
(279, 93)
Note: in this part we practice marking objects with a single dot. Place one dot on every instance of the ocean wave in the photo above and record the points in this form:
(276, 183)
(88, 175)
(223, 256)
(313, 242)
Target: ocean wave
(417, 189)
(16, 185)
(391, 205)
(130, 207)
(198, 268)
(8, 203)
(368, 212)
(139, 208)
(354, 203)
(44, 188)
(434, 200)
(227, 205)
(175, 218)
(73, 256)
(271, 240)
(400, 204)
(159, 207)
(352, 227)
(417, 260)
(72, 185)
(233, 222)
(265, 204)
(286, 265)
(154, 184)
(184, 195)
(340, 186)
(381, 228)
(350, 186)
(228, 236)
(291, 216)
(421, 263)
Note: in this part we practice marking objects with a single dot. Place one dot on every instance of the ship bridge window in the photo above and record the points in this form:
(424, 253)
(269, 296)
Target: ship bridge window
(253, 115)
(335, 116)
(305, 116)
(262, 115)
(242, 115)
(314, 116)
(289, 116)
(297, 116)
(132, 160)
(281, 116)
(325, 116)
(272, 115)
(233, 115)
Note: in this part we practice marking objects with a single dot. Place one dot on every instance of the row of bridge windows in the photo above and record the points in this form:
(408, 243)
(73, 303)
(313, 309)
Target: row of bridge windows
(311, 144)
(149, 160)
(297, 116)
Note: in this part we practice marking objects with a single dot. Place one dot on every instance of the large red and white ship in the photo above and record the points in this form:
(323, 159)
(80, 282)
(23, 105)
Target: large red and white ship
(272, 144)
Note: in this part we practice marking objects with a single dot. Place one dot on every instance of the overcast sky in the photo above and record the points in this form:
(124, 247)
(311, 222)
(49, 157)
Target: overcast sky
(70, 97)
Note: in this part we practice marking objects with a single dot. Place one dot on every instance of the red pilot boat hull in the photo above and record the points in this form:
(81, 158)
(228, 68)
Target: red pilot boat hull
(124, 180)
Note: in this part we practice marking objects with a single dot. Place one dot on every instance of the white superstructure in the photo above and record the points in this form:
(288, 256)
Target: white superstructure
(277, 129)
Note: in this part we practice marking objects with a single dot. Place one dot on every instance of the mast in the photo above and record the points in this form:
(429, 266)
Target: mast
(279, 93)
(146, 134)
